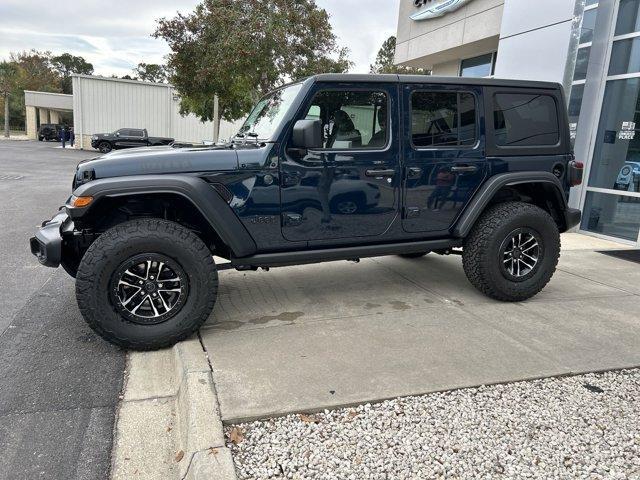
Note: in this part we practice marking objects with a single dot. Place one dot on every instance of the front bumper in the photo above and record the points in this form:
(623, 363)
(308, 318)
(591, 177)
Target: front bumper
(572, 217)
(47, 244)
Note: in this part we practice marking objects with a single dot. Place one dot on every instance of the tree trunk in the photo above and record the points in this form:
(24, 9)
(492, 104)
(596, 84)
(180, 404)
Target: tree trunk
(6, 115)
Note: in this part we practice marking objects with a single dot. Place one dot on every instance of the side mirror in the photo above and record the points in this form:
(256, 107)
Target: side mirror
(117, 134)
(307, 134)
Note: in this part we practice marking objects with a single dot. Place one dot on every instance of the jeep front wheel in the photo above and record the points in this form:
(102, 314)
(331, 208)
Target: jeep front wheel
(512, 251)
(146, 284)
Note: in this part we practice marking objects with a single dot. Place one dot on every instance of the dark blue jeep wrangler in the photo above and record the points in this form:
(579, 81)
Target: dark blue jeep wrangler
(336, 167)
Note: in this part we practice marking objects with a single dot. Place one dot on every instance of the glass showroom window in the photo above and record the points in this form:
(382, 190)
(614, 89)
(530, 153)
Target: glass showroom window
(582, 64)
(612, 199)
(482, 66)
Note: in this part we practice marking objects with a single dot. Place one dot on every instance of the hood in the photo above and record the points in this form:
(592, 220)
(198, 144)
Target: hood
(169, 160)
(158, 160)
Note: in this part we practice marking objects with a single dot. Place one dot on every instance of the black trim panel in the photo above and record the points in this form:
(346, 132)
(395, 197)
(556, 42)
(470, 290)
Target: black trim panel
(282, 259)
(47, 244)
(492, 185)
(200, 193)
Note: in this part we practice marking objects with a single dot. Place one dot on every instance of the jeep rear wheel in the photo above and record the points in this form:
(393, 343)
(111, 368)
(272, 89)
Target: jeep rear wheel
(512, 251)
(146, 284)
(104, 147)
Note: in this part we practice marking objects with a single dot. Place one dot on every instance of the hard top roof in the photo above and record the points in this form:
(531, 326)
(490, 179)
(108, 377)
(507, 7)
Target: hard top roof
(432, 79)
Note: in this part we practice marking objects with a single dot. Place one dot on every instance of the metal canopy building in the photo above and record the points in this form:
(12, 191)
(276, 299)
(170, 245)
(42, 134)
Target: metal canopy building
(590, 46)
(44, 107)
(102, 104)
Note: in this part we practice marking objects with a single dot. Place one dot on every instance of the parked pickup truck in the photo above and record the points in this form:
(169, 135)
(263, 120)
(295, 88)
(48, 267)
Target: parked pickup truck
(126, 138)
(335, 167)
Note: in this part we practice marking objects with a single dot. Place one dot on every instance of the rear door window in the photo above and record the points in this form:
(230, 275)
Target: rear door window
(443, 119)
(525, 120)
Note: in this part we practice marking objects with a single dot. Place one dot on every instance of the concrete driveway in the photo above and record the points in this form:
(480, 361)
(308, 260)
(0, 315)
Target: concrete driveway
(312, 337)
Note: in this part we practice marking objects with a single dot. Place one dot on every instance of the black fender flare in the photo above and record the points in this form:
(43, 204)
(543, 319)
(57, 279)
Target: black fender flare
(486, 193)
(200, 193)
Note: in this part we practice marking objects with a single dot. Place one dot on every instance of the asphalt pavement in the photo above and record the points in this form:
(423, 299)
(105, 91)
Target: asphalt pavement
(59, 383)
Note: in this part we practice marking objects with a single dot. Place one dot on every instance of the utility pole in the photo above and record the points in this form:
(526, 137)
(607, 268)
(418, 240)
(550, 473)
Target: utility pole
(216, 119)
(6, 114)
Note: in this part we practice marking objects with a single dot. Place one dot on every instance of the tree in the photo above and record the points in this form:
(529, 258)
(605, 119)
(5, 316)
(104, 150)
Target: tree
(240, 50)
(36, 72)
(66, 65)
(8, 80)
(385, 61)
(152, 72)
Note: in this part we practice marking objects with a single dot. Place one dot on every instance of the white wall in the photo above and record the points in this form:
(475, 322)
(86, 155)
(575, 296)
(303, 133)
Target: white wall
(535, 39)
(104, 104)
(463, 33)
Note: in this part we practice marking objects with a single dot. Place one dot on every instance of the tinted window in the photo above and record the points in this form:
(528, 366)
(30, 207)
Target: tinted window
(351, 119)
(525, 120)
(628, 17)
(443, 119)
(588, 25)
(625, 57)
(481, 66)
(582, 63)
(136, 133)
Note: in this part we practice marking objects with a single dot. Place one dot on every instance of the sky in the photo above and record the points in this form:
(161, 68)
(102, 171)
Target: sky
(116, 38)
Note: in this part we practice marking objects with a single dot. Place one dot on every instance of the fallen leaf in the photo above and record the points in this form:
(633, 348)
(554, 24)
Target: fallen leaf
(179, 455)
(213, 451)
(309, 418)
(352, 414)
(236, 436)
(169, 429)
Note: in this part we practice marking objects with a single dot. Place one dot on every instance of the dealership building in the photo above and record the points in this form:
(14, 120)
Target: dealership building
(591, 47)
(103, 104)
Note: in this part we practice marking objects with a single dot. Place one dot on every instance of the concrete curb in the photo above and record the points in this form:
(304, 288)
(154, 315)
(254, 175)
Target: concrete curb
(169, 423)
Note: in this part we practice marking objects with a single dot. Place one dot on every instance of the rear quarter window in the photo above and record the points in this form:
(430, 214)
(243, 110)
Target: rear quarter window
(525, 120)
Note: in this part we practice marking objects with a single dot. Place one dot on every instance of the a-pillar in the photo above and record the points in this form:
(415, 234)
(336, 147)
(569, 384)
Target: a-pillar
(32, 127)
(54, 116)
(44, 115)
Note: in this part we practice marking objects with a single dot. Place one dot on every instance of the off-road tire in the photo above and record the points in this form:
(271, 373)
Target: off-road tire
(104, 147)
(414, 255)
(125, 241)
(481, 255)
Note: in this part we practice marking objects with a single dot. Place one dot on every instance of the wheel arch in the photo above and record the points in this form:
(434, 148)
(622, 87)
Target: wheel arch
(191, 195)
(542, 189)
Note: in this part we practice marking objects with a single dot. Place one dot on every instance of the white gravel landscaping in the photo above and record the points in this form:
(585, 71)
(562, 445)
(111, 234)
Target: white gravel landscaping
(586, 426)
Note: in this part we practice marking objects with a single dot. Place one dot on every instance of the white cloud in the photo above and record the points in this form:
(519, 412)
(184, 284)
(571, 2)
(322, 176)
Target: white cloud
(116, 37)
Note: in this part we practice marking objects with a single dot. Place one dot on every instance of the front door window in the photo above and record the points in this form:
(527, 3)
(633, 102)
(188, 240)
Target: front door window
(350, 187)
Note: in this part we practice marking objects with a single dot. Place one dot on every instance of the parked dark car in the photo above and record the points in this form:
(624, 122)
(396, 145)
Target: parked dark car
(126, 138)
(336, 167)
(49, 131)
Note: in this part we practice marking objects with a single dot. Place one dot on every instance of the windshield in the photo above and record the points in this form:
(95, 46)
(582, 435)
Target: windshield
(266, 116)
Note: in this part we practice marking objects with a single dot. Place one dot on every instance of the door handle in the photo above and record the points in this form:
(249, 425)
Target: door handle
(381, 173)
(464, 168)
